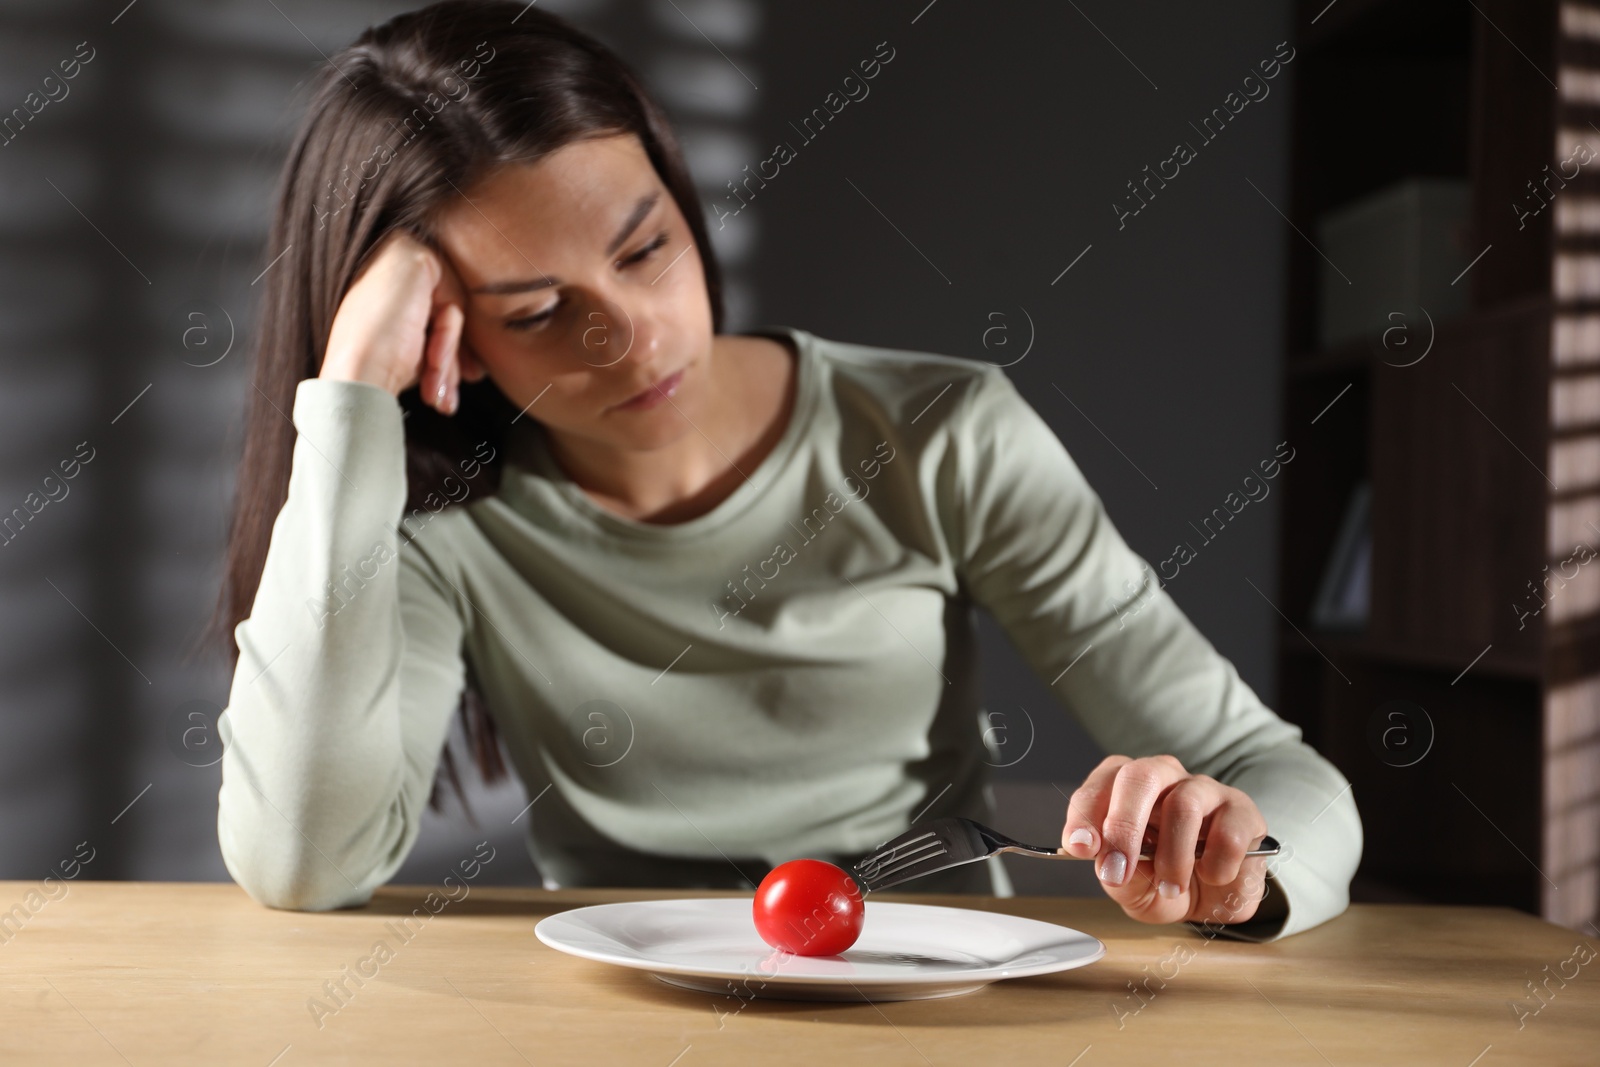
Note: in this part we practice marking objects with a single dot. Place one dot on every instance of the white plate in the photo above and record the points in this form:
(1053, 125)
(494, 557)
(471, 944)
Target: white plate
(905, 951)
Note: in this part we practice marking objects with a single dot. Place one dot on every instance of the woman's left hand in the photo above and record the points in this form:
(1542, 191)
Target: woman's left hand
(1125, 800)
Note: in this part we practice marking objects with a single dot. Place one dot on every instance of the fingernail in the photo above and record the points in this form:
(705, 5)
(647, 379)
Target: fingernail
(1081, 836)
(1167, 889)
(438, 394)
(1114, 868)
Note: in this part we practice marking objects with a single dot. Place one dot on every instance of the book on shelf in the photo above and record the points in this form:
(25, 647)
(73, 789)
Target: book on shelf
(1344, 595)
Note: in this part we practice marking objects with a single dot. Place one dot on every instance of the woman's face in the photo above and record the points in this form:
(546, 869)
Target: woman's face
(584, 294)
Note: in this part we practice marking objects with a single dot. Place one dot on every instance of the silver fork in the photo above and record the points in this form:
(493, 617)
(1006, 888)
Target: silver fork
(950, 842)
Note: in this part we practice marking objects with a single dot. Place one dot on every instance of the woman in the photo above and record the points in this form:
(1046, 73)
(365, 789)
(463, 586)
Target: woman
(712, 594)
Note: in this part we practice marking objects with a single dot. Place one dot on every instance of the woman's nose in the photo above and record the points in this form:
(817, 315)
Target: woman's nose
(611, 332)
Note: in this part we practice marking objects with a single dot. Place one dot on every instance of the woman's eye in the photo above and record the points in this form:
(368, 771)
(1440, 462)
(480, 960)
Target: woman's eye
(645, 252)
(530, 321)
(527, 322)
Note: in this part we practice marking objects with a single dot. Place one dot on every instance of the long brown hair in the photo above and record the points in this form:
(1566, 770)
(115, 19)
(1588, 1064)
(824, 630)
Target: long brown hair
(410, 115)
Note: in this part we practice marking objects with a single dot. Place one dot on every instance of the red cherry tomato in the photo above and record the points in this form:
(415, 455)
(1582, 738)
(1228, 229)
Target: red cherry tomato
(809, 908)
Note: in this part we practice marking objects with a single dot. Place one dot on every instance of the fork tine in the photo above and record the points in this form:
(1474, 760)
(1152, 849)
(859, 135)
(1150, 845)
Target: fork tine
(893, 845)
(918, 844)
(899, 872)
(872, 866)
(935, 846)
(904, 863)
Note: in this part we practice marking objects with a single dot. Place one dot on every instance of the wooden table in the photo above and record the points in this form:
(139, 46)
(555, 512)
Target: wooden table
(158, 974)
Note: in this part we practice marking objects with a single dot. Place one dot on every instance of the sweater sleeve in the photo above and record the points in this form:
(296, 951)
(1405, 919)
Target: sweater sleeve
(349, 667)
(1038, 550)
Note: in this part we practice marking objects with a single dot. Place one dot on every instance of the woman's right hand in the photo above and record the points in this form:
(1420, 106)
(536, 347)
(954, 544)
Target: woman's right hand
(399, 325)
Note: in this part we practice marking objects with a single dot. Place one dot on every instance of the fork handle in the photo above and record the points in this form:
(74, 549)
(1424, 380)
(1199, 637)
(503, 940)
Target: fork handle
(1269, 847)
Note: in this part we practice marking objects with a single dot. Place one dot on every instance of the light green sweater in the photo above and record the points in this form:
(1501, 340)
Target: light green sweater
(791, 674)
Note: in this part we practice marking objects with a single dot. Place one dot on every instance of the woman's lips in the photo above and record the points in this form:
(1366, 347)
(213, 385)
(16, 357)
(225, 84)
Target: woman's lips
(658, 393)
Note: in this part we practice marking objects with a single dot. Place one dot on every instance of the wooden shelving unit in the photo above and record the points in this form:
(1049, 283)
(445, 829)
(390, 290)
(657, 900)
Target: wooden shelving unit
(1460, 450)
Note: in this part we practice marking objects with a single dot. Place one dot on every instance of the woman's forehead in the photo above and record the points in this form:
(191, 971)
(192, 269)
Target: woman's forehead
(583, 196)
